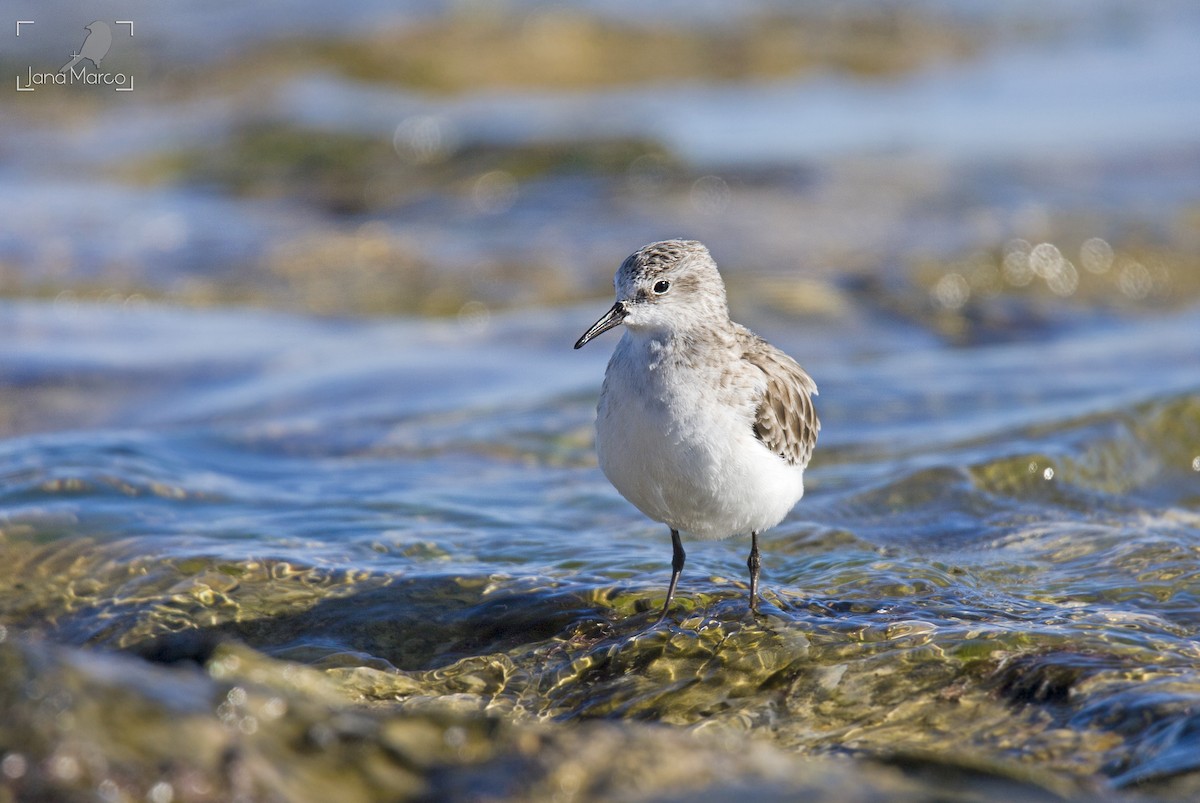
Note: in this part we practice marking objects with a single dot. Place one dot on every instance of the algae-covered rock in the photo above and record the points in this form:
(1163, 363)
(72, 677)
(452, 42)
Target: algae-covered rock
(81, 724)
(561, 49)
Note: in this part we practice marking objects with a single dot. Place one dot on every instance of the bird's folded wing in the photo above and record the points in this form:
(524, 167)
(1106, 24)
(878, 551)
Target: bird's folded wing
(786, 420)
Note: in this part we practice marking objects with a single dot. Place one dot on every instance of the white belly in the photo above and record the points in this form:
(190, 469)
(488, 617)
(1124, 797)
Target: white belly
(688, 459)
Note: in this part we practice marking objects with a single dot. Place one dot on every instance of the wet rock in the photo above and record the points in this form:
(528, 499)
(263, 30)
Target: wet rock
(80, 723)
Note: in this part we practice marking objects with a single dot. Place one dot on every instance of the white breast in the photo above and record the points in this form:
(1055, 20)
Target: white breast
(682, 448)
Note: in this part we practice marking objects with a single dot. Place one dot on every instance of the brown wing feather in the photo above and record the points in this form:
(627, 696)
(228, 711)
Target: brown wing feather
(786, 420)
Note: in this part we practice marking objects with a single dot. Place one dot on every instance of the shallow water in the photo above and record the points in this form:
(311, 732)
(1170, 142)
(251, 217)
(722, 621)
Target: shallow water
(250, 554)
(992, 575)
(1069, 122)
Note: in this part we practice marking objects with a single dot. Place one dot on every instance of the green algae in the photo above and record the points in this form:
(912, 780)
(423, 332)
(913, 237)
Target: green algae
(81, 722)
(1015, 287)
(565, 50)
(403, 668)
(347, 173)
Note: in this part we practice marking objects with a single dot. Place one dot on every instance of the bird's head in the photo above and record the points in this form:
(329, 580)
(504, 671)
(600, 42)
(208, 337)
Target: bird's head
(667, 286)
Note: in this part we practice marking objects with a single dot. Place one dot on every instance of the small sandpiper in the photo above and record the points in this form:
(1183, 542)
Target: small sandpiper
(702, 424)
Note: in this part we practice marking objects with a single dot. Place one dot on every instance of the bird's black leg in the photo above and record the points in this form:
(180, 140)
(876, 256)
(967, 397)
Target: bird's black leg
(754, 563)
(677, 558)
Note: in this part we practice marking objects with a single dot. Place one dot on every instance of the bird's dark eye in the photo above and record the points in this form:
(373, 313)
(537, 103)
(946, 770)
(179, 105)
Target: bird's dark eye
(661, 286)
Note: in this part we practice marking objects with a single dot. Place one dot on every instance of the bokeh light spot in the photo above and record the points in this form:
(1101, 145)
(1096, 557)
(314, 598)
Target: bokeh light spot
(1044, 259)
(1015, 267)
(952, 291)
(1134, 280)
(14, 765)
(710, 195)
(422, 140)
(1096, 255)
(161, 792)
(495, 192)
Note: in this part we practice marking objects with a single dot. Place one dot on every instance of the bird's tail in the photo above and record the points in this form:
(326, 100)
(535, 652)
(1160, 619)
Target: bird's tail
(71, 63)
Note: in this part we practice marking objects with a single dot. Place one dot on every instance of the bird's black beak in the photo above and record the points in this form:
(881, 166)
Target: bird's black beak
(611, 319)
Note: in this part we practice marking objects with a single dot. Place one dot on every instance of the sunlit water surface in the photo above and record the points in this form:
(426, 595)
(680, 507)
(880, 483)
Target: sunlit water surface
(248, 555)
(994, 566)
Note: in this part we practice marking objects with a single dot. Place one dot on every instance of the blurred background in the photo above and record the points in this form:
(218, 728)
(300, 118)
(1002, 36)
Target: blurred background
(298, 496)
(458, 158)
